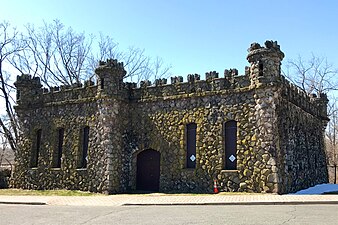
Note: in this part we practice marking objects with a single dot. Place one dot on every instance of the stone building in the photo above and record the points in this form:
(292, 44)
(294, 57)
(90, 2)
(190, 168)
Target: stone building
(255, 132)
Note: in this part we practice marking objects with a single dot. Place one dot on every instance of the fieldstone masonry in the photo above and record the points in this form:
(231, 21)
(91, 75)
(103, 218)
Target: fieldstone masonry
(280, 141)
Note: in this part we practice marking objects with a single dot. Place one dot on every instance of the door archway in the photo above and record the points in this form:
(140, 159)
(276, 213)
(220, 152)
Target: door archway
(148, 170)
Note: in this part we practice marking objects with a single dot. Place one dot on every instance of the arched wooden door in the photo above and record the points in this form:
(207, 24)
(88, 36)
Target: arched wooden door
(148, 170)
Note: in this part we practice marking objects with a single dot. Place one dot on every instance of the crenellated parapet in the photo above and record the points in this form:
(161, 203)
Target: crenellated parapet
(30, 92)
(160, 81)
(193, 77)
(321, 101)
(27, 80)
(265, 69)
(192, 85)
(176, 80)
(211, 75)
(311, 103)
(110, 77)
(265, 63)
(230, 73)
(28, 89)
(110, 64)
(270, 49)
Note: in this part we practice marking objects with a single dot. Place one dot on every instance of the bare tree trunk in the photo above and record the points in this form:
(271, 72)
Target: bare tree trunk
(334, 147)
(335, 174)
(9, 46)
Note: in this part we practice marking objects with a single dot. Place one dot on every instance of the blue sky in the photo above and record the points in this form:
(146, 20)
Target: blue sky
(194, 36)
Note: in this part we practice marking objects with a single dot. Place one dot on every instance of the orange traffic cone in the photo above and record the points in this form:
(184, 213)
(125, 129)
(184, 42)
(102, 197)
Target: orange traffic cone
(215, 187)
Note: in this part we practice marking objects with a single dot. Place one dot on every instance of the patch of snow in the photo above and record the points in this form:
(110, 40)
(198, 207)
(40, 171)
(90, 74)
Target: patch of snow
(318, 189)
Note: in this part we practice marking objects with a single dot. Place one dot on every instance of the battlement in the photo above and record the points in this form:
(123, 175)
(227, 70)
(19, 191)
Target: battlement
(31, 92)
(161, 89)
(70, 93)
(112, 63)
(193, 84)
(313, 104)
(265, 69)
(270, 49)
(106, 68)
(27, 80)
(146, 89)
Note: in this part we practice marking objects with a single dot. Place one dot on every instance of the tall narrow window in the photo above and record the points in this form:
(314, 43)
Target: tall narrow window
(102, 83)
(36, 149)
(260, 69)
(58, 153)
(230, 161)
(191, 145)
(84, 150)
(18, 95)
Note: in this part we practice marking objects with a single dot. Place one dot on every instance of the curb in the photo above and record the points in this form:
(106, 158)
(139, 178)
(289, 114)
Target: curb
(236, 203)
(23, 203)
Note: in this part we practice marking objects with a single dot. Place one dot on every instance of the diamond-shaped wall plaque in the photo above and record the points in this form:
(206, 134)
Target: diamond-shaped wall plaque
(232, 158)
(192, 158)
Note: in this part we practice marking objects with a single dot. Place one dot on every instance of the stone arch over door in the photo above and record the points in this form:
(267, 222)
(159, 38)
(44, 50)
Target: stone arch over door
(148, 170)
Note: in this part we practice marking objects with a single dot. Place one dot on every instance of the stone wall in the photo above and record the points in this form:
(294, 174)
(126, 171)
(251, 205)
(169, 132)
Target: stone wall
(277, 125)
(70, 109)
(160, 124)
(49, 118)
(302, 158)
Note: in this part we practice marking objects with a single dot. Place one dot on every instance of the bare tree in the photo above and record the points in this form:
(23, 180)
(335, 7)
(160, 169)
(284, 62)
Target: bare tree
(315, 75)
(108, 48)
(138, 65)
(156, 69)
(2, 149)
(332, 136)
(60, 56)
(318, 76)
(9, 46)
(55, 54)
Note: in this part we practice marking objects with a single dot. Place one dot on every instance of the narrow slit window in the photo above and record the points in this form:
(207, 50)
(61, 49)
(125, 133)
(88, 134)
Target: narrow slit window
(261, 69)
(230, 133)
(191, 145)
(18, 95)
(102, 83)
(36, 149)
(58, 153)
(83, 157)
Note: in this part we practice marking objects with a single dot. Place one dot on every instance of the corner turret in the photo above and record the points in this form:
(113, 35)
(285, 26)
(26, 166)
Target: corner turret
(321, 101)
(265, 62)
(110, 77)
(28, 89)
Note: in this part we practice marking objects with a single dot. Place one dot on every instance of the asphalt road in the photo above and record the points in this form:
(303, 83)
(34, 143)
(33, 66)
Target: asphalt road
(160, 215)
